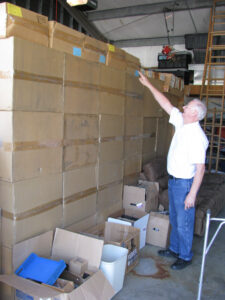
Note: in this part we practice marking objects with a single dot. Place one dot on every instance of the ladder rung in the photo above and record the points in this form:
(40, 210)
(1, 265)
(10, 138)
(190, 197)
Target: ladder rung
(218, 56)
(214, 79)
(213, 95)
(218, 47)
(219, 16)
(216, 33)
(221, 11)
(216, 63)
(219, 23)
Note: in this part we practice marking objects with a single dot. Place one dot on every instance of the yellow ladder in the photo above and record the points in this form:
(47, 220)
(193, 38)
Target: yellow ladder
(213, 89)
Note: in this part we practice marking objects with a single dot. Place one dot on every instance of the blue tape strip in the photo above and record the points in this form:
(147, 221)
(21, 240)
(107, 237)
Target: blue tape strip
(136, 73)
(102, 59)
(77, 51)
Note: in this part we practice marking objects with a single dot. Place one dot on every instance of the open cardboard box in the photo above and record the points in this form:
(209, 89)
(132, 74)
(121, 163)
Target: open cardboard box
(133, 217)
(61, 245)
(119, 235)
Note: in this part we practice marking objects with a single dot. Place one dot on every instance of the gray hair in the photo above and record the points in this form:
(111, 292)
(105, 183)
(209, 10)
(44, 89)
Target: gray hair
(200, 108)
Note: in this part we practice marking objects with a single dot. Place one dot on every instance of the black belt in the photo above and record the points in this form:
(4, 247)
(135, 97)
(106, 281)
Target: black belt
(172, 177)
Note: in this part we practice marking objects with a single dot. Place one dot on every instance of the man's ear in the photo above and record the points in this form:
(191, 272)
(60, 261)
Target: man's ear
(194, 112)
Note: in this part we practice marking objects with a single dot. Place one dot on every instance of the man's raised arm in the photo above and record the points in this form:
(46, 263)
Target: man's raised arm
(159, 97)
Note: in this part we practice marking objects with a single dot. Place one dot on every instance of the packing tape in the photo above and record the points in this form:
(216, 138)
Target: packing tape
(109, 185)
(90, 86)
(77, 142)
(111, 139)
(83, 85)
(35, 77)
(80, 195)
(31, 145)
(14, 21)
(133, 137)
(66, 37)
(32, 212)
(95, 49)
(134, 95)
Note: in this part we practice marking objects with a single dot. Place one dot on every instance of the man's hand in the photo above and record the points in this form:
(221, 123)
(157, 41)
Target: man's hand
(159, 97)
(143, 79)
(191, 197)
(189, 201)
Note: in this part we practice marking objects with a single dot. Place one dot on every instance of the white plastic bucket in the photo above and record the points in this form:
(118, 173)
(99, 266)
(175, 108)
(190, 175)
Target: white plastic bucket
(113, 265)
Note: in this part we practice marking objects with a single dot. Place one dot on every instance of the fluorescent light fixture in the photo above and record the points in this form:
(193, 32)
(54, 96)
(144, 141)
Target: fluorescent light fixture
(76, 2)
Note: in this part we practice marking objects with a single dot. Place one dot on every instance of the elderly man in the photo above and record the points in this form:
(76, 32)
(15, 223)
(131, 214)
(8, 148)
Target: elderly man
(186, 167)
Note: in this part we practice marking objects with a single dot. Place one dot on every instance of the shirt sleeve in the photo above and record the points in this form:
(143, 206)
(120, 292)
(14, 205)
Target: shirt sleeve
(176, 118)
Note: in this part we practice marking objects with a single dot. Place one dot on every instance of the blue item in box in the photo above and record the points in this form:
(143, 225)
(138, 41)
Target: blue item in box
(41, 269)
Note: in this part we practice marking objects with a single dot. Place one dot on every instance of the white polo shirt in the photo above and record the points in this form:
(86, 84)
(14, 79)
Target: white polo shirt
(188, 147)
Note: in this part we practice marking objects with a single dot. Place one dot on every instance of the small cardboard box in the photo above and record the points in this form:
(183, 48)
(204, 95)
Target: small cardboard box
(158, 230)
(133, 217)
(119, 235)
(144, 197)
(61, 245)
(78, 265)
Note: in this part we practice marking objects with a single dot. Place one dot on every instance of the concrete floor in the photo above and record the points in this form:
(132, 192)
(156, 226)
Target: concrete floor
(153, 279)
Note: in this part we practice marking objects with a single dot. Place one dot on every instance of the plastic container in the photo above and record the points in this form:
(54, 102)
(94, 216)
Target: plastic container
(41, 269)
(113, 265)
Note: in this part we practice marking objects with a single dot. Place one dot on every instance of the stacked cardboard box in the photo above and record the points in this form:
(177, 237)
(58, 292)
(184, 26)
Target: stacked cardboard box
(31, 133)
(111, 132)
(81, 133)
(133, 129)
(71, 129)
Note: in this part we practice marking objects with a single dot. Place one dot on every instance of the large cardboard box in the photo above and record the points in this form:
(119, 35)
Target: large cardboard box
(143, 197)
(94, 50)
(116, 58)
(62, 245)
(23, 23)
(65, 39)
(28, 149)
(133, 64)
(158, 230)
(119, 235)
(31, 77)
(134, 217)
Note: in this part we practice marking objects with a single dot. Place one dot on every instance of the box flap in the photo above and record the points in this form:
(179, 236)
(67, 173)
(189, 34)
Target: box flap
(118, 221)
(133, 197)
(40, 245)
(28, 287)
(119, 233)
(67, 245)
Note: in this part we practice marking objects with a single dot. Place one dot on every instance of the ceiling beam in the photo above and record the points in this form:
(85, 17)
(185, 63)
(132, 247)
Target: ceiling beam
(148, 9)
(83, 21)
(157, 41)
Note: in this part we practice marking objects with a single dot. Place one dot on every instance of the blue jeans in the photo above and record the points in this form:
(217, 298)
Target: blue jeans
(181, 220)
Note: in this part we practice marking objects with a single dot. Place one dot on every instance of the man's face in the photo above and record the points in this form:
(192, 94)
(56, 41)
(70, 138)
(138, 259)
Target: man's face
(190, 109)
